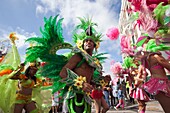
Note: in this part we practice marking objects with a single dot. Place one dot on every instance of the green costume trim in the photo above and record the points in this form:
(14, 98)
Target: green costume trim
(78, 104)
(34, 111)
(153, 47)
(71, 92)
(159, 13)
(81, 62)
(44, 49)
(89, 59)
(128, 62)
(71, 108)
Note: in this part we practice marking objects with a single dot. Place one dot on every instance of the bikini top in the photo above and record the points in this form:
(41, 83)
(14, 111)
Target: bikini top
(156, 66)
(27, 83)
(147, 65)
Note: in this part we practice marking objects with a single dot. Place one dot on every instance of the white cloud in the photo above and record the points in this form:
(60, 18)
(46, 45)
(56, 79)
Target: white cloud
(101, 12)
(20, 33)
(40, 9)
(68, 9)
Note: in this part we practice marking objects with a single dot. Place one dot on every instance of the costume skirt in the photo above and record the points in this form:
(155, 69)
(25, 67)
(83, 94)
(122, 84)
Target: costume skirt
(155, 85)
(140, 94)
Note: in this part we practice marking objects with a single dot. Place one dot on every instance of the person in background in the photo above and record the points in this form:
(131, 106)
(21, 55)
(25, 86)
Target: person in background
(115, 92)
(120, 98)
(127, 87)
(124, 89)
(55, 102)
(111, 96)
(133, 72)
(106, 91)
(138, 92)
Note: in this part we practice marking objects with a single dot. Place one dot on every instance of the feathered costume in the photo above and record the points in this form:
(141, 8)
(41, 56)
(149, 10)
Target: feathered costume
(8, 68)
(8, 87)
(154, 45)
(45, 49)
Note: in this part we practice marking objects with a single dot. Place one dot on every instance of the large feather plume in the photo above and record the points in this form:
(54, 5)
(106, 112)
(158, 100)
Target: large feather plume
(45, 48)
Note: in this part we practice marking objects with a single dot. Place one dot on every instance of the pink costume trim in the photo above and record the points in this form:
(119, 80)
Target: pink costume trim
(155, 85)
(157, 66)
(140, 94)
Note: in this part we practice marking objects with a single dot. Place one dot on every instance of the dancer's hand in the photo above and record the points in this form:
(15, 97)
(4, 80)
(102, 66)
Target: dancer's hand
(87, 87)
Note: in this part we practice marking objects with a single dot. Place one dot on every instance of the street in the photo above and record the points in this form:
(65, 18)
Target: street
(151, 107)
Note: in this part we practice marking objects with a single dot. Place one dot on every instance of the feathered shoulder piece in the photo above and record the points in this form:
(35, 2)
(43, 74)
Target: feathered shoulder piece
(45, 48)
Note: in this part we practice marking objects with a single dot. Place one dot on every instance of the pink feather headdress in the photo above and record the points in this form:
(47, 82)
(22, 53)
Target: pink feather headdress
(116, 68)
(125, 45)
(136, 5)
(146, 22)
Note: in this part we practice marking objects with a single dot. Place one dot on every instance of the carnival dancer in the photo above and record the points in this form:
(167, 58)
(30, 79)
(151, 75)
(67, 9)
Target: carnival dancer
(23, 98)
(138, 92)
(106, 92)
(82, 64)
(8, 87)
(71, 73)
(158, 85)
(26, 84)
(99, 101)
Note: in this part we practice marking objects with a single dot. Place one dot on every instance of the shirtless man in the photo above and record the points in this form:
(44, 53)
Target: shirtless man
(84, 70)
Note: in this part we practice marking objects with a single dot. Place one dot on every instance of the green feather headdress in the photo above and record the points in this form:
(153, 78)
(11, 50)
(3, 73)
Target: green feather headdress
(153, 47)
(88, 31)
(159, 13)
(128, 62)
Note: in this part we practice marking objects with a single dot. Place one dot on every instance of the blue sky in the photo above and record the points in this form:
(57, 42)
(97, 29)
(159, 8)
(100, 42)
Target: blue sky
(25, 17)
